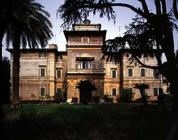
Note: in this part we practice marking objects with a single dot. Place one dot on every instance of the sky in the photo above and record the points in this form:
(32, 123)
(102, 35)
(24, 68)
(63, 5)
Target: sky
(123, 17)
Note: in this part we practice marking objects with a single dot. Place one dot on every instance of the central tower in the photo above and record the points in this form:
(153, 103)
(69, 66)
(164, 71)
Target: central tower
(84, 62)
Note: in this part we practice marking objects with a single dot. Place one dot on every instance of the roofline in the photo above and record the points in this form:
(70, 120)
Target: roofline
(81, 24)
(40, 50)
(34, 50)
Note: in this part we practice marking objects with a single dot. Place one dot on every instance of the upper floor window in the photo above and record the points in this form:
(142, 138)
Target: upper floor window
(130, 72)
(84, 62)
(58, 73)
(85, 65)
(114, 73)
(142, 72)
(42, 71)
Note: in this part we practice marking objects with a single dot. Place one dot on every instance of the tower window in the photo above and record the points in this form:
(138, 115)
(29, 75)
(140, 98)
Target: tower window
(156, 91)
(58, 73)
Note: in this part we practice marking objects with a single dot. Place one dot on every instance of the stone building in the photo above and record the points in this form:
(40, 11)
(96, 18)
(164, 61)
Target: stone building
(79, 71)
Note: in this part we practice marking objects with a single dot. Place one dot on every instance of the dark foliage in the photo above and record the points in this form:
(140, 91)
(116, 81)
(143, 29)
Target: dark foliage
(77, 11)
(25, 23)
(142, 87)
(126, 95)
(5, 92)
(60, 97)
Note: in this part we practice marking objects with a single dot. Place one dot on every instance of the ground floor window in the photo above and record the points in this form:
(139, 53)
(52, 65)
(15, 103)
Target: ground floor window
(42, 91)
(114, 92)
(156, 91)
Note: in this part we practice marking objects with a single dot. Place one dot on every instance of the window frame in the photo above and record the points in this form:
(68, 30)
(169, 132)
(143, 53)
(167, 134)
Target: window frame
(57, 70)
(43, 88)
(85, 65)
(142, 72)
(128, 72)
(42, 73)
(114, 91)
(112, 74)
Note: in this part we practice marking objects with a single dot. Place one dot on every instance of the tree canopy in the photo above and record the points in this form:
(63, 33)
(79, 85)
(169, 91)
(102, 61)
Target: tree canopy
(150, 33)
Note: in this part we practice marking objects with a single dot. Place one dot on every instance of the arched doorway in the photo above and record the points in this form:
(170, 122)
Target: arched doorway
(85, 88)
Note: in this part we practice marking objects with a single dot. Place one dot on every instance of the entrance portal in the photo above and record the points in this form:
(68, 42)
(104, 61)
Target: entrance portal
(85, 88)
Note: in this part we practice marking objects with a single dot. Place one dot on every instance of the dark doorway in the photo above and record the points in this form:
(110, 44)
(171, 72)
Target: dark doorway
(85, 88)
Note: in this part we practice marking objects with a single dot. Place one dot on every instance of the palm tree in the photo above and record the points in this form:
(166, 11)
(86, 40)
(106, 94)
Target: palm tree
(27, 24)
(142, 87)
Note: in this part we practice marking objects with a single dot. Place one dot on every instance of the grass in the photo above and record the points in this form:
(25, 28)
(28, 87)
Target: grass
(86, 122)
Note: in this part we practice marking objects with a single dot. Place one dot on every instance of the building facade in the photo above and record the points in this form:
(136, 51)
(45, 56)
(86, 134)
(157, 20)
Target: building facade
(79, 71)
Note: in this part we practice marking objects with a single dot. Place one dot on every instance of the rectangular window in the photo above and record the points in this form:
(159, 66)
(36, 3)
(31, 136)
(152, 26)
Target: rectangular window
(130, 72)
(42, 71)
(58, 73)
(85, 65)
(114, 73)
(114, 92)
(42, 91)
(156, 91)
(142, 72)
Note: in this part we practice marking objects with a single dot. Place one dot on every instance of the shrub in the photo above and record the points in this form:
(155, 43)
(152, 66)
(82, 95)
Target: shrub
(107, 98)
(95, 99)
(140, 100)
(59, 97)
(126, 95)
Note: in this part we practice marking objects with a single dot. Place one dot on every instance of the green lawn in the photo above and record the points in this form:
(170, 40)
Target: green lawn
(86, 122)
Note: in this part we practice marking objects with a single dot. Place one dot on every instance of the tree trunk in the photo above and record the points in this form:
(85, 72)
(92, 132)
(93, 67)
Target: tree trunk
(15, 78)
(121, 74)
(173, 134)
(144, 100)
(1, 109)
(15, 72)
(174, 92)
